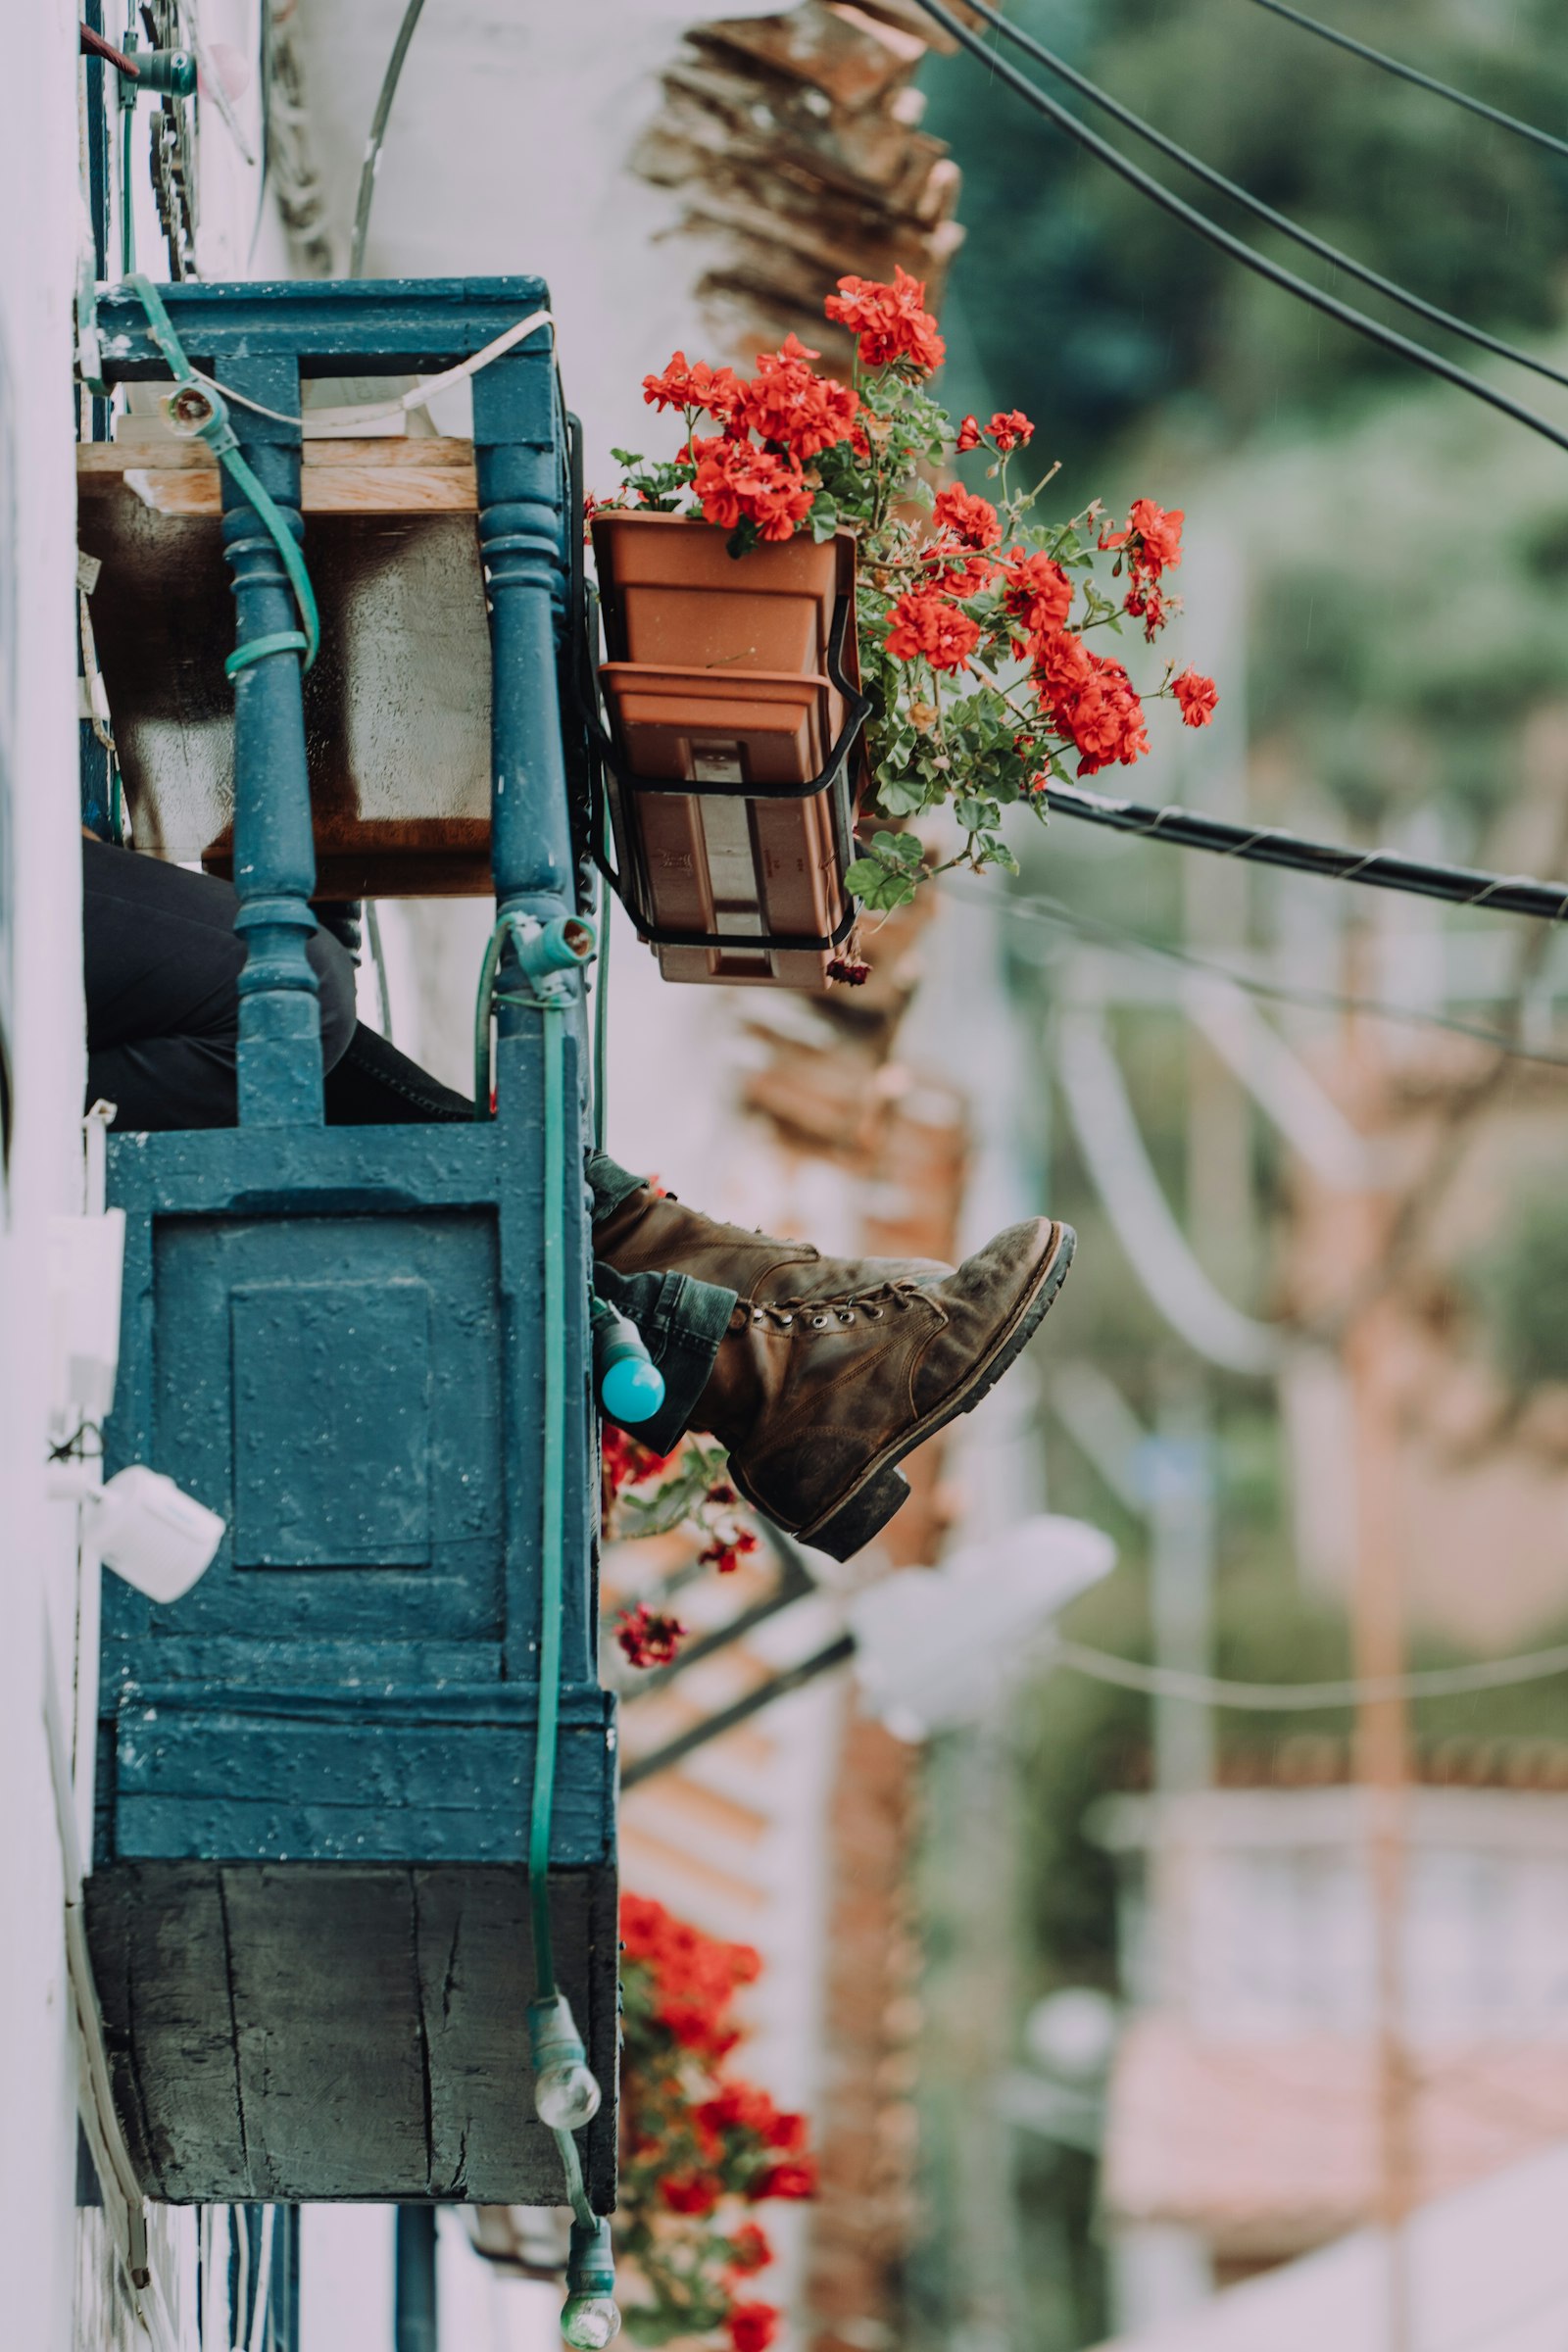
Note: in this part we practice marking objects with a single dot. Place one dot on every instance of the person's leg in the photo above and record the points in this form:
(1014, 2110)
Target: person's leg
(161, 962)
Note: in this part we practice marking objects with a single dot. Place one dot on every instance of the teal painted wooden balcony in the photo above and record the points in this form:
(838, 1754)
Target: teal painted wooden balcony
(309, 1910)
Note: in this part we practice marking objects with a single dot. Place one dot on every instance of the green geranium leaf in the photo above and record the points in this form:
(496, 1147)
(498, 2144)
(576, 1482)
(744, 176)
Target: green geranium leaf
(972, 813)
(877, 886)
(900, 796)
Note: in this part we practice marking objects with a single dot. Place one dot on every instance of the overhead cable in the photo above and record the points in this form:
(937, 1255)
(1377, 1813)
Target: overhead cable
(1244, 197)
(372, 145)
(1106, 1132)
(1423, 81)
(1358, 322)
(1272, 845)
(1039, 906)
(1210, 1691)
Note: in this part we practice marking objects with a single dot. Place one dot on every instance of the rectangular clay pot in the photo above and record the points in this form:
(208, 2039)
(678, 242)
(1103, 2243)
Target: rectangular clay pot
(671, 594)
(723, 858)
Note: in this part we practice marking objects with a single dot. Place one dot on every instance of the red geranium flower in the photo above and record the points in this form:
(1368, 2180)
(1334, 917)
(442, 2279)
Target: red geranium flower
(850, 970)
(889, 320)
(695, 1976)
(1148, 602)
(626, 1462)
(737, 482)
(752, 2326)
(748, 2250)
(691, 2192)
(969, 435)
(1010, 429)
(727, 1553)
(647, 1637)
(972, 521)
(1063, 664)
(797, 2179)
(741, 2107)
(924, 622)
(787, 400)
(693, 386)
(1039, 592)
(1198, 697)
(1091, 698)
(1153, 537)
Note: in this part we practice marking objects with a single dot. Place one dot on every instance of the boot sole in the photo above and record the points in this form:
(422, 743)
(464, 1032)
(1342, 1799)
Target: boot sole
(882, 1488)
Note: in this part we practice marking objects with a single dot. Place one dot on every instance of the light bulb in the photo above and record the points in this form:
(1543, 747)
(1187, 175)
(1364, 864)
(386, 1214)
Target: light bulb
(589, 2318)
(590, 2322)
(632, 1390)
(565, 2097)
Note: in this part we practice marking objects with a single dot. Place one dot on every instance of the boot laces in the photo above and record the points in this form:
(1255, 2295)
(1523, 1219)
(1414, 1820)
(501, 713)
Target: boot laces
(836, 1314)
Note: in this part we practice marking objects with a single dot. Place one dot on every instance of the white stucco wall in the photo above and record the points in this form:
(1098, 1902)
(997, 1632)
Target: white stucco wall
(38, 222)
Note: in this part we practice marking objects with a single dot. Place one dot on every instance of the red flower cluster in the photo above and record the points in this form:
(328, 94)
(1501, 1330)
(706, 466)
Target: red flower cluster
(1008, 429)
(1198, 696)
(787, 400)
(742, 2107)
(647, 1637)
(752, 2327)
(737, 482)
(922, 623)
(1011, 429)
(1038, 593)
(967, 526)
(748, 2250)
(727, 1550)
(695, 2143)
(1153, 540)
(716, 391)
(691, 2192)
(626, 1463)
(1090, 698)
(972, 521)
(850, 970)
(694, 1977)
(890, 323)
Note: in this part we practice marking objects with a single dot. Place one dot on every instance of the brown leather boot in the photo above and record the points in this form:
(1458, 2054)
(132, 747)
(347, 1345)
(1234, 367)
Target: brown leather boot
(818, 1399)
(656, 1234)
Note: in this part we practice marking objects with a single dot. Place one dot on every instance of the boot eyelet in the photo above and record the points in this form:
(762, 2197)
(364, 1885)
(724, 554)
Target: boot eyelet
(786, 1320)
(875, 1313)
(820, 1322)
(846, 1315)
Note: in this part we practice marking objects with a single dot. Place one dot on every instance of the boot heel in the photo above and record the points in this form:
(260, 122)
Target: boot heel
(852, 1528)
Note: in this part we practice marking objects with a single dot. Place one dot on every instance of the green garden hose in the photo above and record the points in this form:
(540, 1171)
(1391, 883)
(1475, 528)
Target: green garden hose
(209, 420)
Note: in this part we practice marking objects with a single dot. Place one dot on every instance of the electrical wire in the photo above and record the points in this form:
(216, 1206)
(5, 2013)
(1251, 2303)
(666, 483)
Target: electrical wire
(1358, 322)
(1040, 906)
(372, 146)
(1215, 179)
(1423, 81)
(1272, 845)
(1214, 1690)
(94, 44)
(417, 396)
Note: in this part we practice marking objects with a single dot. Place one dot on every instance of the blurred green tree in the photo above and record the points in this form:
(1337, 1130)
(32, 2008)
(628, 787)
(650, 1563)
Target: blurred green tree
(1113, 310)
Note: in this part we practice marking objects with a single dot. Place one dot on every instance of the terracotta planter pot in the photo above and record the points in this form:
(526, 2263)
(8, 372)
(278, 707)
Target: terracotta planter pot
(671, 594)
(737, 678)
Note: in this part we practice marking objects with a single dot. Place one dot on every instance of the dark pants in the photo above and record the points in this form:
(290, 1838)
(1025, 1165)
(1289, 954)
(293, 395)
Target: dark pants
(162, 961)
